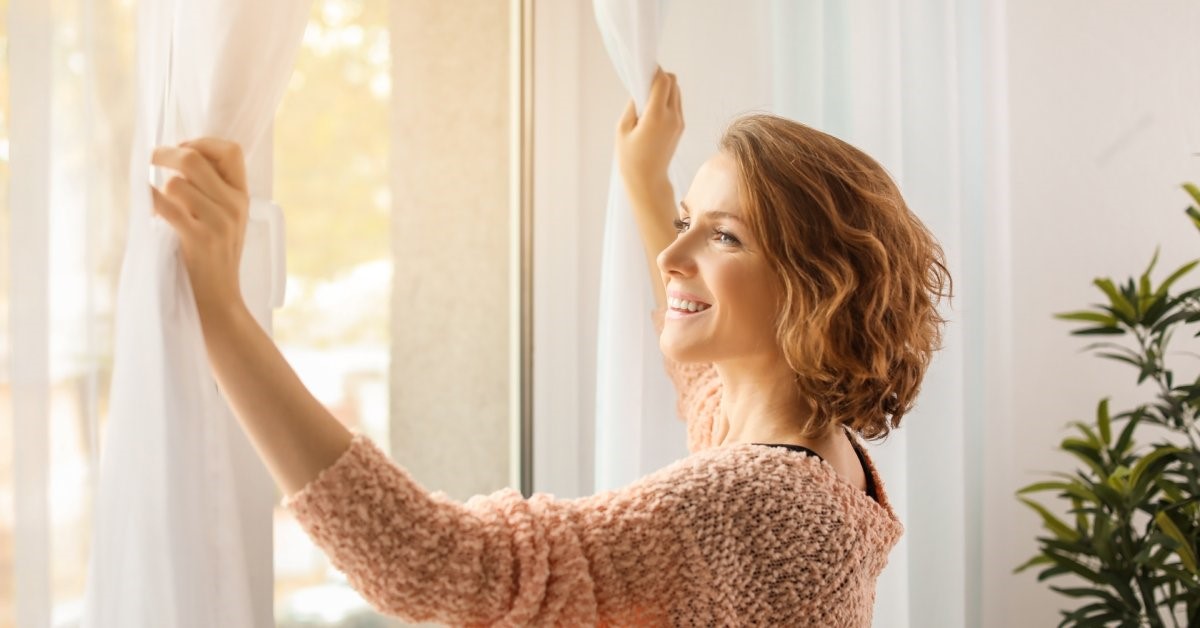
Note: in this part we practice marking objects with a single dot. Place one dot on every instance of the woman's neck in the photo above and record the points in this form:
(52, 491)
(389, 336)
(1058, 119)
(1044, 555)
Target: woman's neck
(761, 404)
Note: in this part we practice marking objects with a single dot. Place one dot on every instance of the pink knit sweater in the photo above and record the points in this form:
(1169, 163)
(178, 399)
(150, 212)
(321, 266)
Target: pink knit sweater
(730, 535)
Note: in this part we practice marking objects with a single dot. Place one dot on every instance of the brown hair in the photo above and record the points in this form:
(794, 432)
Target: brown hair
(861, 277)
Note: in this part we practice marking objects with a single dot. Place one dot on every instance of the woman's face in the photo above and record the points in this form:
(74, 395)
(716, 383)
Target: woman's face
(716, 263)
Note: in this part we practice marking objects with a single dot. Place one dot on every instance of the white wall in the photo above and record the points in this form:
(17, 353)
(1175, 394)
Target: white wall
(1100, 138)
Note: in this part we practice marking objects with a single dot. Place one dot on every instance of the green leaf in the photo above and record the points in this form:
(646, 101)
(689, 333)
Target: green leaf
(1187, 553)
(1130, 292)
(1036, 560)
(1173, 493)
(1122, 587)
(1120, 304)
(1158, 305)
(1194, 191)
(1075, 566)
(1120, 358)
(1104, 421)
(1125, 441)
(1111, 498)
(1143, 293)
(1052, 523)
(1104, 344)
(1084, 592)
(1087, 452)
(1181, 271)
(1088, 317)
(1083, 492)
(1098, 331)
(1092, 440)
(1194, 215)
(1118, 484)
(1168, 321)
(1044, 486)
(1101, 541)
(1150, 459)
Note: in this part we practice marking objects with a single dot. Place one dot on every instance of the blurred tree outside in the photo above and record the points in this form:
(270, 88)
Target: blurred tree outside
(332, 142)
(331, 178)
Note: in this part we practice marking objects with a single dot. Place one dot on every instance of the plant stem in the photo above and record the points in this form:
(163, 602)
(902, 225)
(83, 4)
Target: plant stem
(1170, 594)
(1151, 606)
(1177, 410)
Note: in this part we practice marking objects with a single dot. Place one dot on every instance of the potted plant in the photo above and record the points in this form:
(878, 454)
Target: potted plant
(1136, 510)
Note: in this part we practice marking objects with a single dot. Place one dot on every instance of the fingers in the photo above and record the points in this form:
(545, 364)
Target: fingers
(628, 118)
(196, 168)
(175, 215)
(660, 89)
(226, 158)
(676, 98)
(184, 194)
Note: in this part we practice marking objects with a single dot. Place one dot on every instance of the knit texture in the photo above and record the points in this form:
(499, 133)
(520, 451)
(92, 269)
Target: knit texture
(731, 535)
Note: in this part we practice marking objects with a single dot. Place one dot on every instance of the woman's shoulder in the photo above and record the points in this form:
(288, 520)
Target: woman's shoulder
(744, 473)
(758, 477)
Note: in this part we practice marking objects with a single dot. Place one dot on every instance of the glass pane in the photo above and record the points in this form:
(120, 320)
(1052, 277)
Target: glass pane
(392, 167)
(331, 150)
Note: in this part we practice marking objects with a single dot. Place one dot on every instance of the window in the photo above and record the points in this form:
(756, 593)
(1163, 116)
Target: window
(392, 167)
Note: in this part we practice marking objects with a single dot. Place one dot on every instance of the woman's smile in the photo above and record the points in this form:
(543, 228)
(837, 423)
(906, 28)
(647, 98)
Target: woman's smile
(684, 312)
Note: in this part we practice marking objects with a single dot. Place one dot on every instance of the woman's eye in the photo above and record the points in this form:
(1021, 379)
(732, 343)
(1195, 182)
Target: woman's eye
(726, 238)
(680, 226)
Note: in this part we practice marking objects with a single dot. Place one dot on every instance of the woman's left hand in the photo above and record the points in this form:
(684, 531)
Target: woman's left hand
(208, 204)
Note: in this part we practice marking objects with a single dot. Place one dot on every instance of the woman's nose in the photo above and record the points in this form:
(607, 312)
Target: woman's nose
(676, 259)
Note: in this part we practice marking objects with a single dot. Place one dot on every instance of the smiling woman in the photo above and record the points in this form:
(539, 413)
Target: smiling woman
(735, 533)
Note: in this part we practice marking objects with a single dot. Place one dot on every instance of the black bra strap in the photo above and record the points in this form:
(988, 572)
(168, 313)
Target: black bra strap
(861, 460)
(793, 448)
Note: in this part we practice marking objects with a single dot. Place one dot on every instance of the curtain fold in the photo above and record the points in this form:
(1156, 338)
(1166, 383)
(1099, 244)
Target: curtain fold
(183, 507)
(634, 398)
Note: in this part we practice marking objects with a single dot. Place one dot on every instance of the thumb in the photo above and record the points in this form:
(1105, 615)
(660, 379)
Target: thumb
(628, 118)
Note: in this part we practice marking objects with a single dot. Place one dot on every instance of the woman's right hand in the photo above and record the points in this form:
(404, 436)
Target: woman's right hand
(645, 145)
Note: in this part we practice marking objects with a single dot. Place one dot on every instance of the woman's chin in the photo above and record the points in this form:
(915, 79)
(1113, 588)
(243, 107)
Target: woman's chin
(678, 351)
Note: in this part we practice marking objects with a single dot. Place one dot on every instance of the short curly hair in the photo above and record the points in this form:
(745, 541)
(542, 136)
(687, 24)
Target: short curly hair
(860, 276)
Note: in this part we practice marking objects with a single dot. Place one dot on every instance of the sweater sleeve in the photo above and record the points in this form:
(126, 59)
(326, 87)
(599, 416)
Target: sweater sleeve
(501, 559)
(698, 396)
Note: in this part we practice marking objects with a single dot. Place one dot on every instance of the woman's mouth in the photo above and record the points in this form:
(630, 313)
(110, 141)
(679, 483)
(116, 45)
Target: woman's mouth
(683, 308)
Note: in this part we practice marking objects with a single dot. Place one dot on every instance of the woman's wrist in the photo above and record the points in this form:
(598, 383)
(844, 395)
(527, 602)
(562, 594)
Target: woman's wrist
(218, 320)
(651, 194)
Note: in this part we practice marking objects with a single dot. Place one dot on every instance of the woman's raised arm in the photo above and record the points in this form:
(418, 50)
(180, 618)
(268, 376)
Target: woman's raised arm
(644, 148)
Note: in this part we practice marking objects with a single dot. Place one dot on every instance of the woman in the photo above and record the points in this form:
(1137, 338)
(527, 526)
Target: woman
(797, 306)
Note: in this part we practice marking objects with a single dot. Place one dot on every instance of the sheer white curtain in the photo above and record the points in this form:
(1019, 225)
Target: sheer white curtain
(634, 398)
(182, 525)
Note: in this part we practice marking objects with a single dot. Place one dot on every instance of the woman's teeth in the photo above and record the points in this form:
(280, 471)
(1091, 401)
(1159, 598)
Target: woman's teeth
(684, 305)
